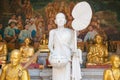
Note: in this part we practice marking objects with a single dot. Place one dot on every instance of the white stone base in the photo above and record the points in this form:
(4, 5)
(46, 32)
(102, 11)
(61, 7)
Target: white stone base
(87, 74)
(46, 74)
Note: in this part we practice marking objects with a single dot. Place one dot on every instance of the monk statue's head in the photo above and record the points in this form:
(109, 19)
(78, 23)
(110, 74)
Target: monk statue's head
(98, 39)
(15, 57)
(60, 20)
(115, 61)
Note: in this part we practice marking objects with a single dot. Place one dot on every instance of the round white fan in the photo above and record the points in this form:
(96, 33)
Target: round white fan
(82, 14)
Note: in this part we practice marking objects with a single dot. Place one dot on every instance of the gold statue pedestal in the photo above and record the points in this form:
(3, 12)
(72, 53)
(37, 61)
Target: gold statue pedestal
(43, 56)
(45, 50)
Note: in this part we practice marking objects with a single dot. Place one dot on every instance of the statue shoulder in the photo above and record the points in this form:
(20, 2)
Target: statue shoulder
(5, 67)
(92, 46)
(107, 71)
(52, 31)
(25, 71)
(31, 47)
(25, 74)
(104, 46)
(68, 29)
(22, 47)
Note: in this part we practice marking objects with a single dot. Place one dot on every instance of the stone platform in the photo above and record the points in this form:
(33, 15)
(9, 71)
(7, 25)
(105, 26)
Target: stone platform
(46, 74)
(87, 74)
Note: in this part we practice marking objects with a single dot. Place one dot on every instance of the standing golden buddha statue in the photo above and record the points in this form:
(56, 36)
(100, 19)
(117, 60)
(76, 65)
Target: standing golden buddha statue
(3, 51)
(114, 72)
(27, 51)
(98, 52)
(14, 71)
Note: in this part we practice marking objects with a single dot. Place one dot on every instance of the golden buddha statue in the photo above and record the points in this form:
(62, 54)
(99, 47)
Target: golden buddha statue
(27, 51)
(3, 51)
(114, 72)
(14, 71)
(98, 52)
(44, 43)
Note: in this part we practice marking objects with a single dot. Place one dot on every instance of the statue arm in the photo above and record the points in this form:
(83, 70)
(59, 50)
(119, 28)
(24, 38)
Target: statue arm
(3, 73)
(72, 44)
(89, 56)
(32, 51)
(50, 43)
(25, 75)
(106, 52)
(106, 73)
(21, 49)
(90, 51)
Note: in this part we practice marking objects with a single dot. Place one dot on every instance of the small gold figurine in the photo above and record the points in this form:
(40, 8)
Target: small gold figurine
(3, 51)
(14, 71)
(43, 46)
(114, 72)
(98, 52)
(27, 51)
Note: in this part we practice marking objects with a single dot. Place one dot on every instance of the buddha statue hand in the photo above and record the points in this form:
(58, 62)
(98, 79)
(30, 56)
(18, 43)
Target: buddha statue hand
(20, 74)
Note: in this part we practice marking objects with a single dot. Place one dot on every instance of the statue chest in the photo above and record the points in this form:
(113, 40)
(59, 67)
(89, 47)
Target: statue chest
(115, 75)
(27, 52)
(12, 74)
(98, 49)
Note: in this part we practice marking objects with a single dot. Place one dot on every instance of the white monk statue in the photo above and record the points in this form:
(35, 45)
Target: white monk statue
(61, 45)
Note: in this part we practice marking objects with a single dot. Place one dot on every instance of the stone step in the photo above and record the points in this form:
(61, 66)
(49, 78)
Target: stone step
(87, 74)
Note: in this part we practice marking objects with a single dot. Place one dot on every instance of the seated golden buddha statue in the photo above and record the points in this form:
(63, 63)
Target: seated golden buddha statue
(13, 70)
(114, 72)
(43, 46)
(98, 52)
(27, 51)
(3, 51)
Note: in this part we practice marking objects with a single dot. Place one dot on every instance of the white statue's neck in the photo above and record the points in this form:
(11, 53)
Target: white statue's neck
(60, 28)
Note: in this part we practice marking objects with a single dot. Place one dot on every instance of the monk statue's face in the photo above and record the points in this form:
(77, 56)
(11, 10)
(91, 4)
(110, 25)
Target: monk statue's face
(15, 57)
(60, 20)
(115, 62)
(98, 39)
